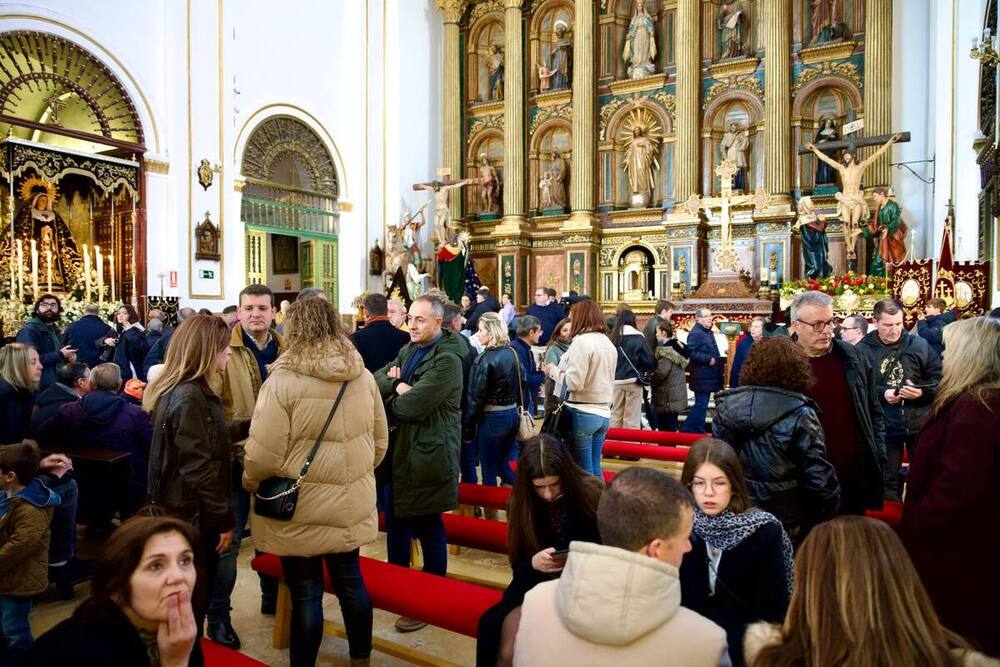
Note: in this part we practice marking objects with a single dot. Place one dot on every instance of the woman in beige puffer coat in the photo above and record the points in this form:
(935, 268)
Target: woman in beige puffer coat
(335, 514)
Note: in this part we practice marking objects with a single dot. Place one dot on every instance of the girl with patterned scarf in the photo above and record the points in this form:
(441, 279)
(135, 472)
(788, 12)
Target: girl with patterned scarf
(740, 566)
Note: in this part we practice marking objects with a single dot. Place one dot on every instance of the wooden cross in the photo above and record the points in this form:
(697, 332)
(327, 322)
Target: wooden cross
(854, 143)
(727, 259)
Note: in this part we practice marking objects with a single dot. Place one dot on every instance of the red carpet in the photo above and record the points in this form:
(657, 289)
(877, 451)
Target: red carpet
(217, 655)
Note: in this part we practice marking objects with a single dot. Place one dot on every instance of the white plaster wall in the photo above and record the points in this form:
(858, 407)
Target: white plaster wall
(969, 23)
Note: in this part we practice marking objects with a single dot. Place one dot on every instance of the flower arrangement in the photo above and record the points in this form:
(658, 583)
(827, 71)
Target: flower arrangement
(359, 301)
(860, 284)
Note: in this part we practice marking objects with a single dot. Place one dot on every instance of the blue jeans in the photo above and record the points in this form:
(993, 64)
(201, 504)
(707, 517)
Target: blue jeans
(304, 577)
(494, 440)
(62, 545)
(225, 576)
(468, 461)
(428, 528)
(695, 421)
(589, 432)
(15, 632)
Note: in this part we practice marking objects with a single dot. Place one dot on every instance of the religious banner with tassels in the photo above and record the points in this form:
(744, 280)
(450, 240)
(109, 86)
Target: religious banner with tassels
(964, 286)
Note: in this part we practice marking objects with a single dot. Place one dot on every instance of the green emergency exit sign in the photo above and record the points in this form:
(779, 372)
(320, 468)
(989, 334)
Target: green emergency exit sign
(207, 274)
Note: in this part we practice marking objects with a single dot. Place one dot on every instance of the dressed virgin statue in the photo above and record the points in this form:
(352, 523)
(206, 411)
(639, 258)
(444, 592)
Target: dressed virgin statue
(37, 221)
(825, 174)
(641, 164)
(640, 43)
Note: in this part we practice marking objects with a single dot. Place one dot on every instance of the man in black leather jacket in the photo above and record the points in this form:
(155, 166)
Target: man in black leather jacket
(907, 372)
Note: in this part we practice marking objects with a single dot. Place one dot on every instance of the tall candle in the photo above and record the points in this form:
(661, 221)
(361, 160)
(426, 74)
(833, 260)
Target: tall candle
(111, 270)
(86, 271)
(34, 269)
(100, 274)
(48, 264)
(13, 280)
(20, 270)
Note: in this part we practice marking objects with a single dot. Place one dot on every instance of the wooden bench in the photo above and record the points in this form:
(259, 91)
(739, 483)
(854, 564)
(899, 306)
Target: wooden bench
(445, 603)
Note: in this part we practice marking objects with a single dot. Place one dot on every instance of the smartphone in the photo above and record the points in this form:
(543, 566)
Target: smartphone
(560, 553)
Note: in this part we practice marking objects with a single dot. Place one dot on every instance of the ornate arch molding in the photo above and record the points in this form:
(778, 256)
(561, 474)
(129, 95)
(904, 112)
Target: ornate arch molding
(279, 137)
(808, 91)
(755, 107)
(545, 127)
(48, 78)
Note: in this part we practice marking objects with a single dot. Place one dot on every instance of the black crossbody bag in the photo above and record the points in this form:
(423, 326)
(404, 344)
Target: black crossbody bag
(277, 497)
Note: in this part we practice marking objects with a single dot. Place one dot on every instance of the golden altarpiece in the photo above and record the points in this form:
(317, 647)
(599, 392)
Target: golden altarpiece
(602, 118)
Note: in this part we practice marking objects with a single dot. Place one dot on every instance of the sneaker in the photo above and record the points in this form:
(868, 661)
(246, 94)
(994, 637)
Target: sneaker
(404, 624)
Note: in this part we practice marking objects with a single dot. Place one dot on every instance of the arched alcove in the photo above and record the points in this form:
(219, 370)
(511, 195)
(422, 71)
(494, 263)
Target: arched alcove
(484, 34)
(543, 39)
(747, 111)
(489, 142)
(614, 188)
(830, 98)
(554, 135)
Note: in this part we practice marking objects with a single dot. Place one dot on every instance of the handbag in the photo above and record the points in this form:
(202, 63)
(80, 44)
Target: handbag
(525, 420)
(641, 378)
(277, 497)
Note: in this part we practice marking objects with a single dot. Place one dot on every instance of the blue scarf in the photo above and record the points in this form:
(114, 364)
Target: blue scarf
(728, 529)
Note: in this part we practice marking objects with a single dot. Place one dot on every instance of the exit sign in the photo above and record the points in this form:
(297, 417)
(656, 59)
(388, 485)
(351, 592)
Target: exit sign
(207, 274)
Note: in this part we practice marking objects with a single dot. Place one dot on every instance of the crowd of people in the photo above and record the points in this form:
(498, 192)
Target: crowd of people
(760, 554)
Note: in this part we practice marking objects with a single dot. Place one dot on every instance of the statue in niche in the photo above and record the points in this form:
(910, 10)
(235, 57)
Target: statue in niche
(489, 184)
(826, 22)
(544, 78)
(208, 246)
(558, 170)
(735, 144)
(641, 135)
(815, 245)
(825, 174)
(560, 68)
(496, 68)
(732, 26)
(545, 190)
(640, 43)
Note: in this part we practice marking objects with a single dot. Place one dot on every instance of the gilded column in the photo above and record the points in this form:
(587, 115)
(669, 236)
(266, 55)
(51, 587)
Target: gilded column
(581, 179)
(513, 118)
(452, 10)
(878, 83)
(687, 123)
(777, 102)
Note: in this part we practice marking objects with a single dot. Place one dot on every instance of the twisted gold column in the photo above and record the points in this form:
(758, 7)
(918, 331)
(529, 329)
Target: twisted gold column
(452, 10)
(686, 123)
(581, 178)
(777, 104)
(513, 117)
(878, 83)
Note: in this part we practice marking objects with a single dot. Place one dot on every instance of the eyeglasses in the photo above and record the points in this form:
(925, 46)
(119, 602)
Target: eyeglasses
(717, 485)
(47, 305)
(818, 327)
(848, 328)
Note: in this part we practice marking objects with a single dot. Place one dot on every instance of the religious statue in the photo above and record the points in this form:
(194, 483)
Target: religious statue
(827, 133)
(442, 214)
(825, 21)
(416, 282)
(641, 135)
(853, 207)
(545, 78)
(640, 43)
(732, 25)
(208, 246)
(560, 60)
(558, 169)
(410, 230)
(394, 250)
(545, 190)
(39, 222)
(205, 174)
(888, 231)
(496, 68)
(489, 183)
(735, 144)
(815, 245)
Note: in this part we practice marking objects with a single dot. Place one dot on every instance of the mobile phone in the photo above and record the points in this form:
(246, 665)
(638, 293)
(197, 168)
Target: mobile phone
(560, 553)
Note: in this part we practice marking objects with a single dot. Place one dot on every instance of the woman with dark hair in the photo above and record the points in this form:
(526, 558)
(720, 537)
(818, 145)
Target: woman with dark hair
(20, 374)
(553, 503)
(776, 432)
(558, 344)
(129, 348)
(139, 611)
(635, 363)
(670, 392)
(584, 378)
(857, 601)
(739, 569)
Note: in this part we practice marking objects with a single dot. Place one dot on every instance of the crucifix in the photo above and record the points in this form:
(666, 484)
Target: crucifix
(727, 259)
(441, 188)
(852, 207)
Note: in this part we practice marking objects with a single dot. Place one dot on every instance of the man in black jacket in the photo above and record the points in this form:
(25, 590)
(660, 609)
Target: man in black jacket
(930, 325)
(485, 303)
(158, 351)
(378, 342)
(42, 333)
(87, 335)
(907, 372)
(851, 413)
(72, 383)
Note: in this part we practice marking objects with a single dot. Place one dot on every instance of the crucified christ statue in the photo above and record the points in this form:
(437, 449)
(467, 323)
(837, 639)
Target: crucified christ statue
(442, 214)
(853, 208)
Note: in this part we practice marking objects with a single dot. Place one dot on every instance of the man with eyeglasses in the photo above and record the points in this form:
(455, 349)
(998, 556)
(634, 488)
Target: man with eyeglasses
(548, 311)
(853, 329)
(907, 372)
(851, 414)
(42, 333)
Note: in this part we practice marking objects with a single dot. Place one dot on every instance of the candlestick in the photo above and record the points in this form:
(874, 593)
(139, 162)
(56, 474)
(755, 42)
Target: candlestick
(48, 260)
(34, 269)
(13, 281)
(20, 270)
(86, 272)
(111, 270)
(100, 274)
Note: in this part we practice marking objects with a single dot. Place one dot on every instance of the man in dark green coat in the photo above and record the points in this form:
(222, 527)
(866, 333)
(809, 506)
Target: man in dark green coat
(422, 390)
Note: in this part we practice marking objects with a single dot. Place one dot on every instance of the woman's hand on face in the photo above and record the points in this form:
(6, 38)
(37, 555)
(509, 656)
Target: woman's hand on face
(111, 342)
(545, 563)
(225, 541)
(175, 639)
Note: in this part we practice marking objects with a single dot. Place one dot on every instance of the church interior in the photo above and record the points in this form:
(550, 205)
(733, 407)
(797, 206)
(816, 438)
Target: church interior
(723, 154)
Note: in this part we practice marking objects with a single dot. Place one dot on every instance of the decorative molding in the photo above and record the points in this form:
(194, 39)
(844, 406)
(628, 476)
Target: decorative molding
(546, 244)
(733, 68)
(485, 123)
(154, 166)
(277, 138)
(828, 51)
(667, 101)
(513, 242)
(481, 9)
(773, 227)
(565, 112)
(750, 84)
(452, 9)
(606, 112)
(637, 215)
(480, 108)
(848, 71)
(512, 4)
(652, 82)
(554, 98)
(577, 239)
